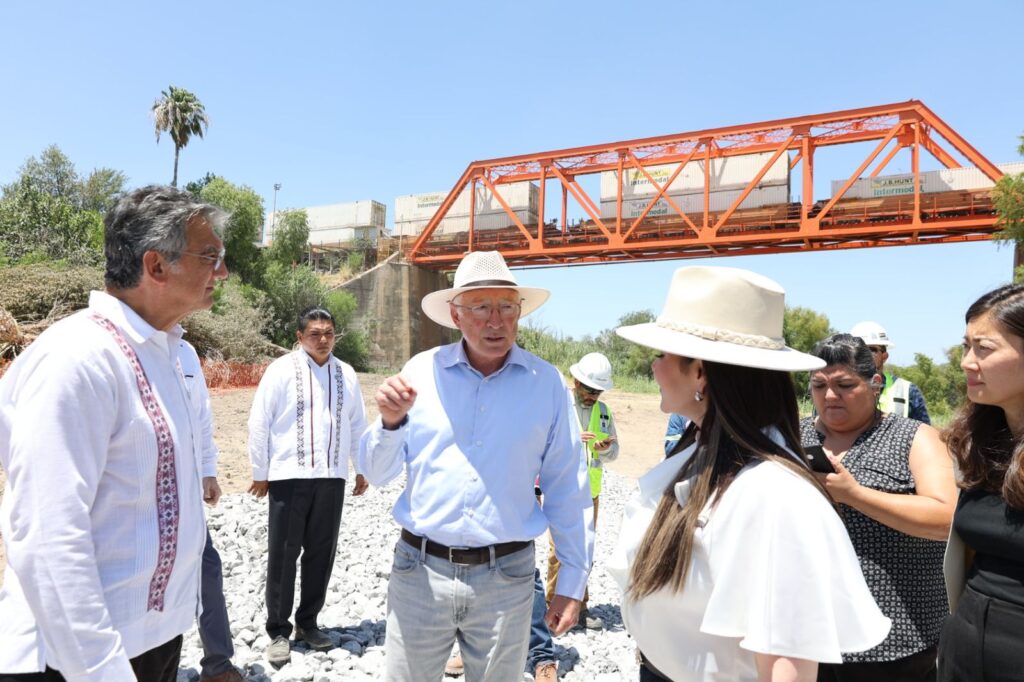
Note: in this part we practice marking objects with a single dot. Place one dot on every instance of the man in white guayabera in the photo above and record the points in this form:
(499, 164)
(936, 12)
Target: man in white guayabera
(304, 426)
(102, 516)
(473, 424)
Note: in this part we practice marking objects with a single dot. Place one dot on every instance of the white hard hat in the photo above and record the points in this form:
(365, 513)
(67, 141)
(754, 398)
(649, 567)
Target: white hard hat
(872, 333)
(593, 370)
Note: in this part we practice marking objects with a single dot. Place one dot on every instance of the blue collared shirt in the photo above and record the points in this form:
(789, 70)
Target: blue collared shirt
(472, 448)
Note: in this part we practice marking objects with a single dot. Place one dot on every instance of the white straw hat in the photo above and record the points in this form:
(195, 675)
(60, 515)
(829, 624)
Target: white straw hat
(480, 270)
(593, 370)
(724, 315)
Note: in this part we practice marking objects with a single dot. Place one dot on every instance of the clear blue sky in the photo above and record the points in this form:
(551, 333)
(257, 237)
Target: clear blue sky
(343, 101)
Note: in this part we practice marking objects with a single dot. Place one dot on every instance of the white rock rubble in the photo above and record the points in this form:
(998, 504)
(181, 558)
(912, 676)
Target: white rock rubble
(355, 609)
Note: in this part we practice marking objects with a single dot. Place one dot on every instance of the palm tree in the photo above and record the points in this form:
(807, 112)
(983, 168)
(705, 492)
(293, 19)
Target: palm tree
(182, 115)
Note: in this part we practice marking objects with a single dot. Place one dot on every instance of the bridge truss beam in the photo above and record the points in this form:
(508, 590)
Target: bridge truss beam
(838, 223)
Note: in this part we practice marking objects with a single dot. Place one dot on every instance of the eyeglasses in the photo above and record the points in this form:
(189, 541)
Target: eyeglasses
(876, 349)
(482, 311)
(217, 260)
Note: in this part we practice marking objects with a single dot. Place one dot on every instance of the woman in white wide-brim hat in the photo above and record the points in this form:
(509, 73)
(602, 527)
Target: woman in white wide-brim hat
(734, 564)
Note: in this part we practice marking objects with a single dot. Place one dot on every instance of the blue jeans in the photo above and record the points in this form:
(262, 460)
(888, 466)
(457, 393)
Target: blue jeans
(433, 602)
(542, 648)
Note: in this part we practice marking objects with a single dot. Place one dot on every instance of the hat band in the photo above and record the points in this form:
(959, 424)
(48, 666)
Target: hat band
(488, 283)
(716, 334)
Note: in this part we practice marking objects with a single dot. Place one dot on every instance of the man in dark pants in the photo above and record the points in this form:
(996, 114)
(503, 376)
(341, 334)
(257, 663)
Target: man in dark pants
(214, 626)
(306, 420)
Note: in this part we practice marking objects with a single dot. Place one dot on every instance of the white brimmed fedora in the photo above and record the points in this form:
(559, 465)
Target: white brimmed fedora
(480, 270)
(724, 315)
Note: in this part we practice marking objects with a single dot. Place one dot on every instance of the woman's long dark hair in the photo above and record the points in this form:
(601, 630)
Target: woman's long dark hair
(979, 438)
(741, 401)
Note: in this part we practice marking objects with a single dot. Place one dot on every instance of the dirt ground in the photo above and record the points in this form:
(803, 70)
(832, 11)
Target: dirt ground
(640, 423)
(638, 419)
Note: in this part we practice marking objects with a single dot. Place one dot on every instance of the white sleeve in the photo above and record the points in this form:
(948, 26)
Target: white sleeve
(261, 417)
(381, 453)
(62, 420)
(787, 581)
(357, 419)
(200, 396)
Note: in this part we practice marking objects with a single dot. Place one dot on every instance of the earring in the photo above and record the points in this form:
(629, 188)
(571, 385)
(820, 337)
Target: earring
(698, 396)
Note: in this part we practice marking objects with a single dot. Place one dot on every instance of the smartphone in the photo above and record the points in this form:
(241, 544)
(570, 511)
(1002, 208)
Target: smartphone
(817, 460)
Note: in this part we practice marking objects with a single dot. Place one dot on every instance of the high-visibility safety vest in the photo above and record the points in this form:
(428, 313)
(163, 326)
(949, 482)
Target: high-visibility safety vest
(895, 396)
(600, 425)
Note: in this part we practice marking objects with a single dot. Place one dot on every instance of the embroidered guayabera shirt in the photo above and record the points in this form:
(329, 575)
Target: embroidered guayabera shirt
(306, 419)
(103, 551)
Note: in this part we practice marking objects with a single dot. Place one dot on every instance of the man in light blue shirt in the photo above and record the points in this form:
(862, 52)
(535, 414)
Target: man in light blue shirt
(473, 425)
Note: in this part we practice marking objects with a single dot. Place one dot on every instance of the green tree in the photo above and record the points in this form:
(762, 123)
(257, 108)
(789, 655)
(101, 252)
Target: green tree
(290, 290)
(181, 114)
(36, 226)
(53, 174)
(1008, 199)
(291, 236)
(943, 386)
(628, 358)
(242, 232)
(802, 328)
(102, 189)
(196, 186)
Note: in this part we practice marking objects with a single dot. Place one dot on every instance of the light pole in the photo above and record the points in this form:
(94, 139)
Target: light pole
(277, 186)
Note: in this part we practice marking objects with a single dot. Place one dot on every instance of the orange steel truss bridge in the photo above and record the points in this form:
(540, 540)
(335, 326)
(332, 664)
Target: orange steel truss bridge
(835, 223)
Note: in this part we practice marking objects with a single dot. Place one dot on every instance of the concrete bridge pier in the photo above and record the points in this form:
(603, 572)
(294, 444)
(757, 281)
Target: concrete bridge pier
(389, 312)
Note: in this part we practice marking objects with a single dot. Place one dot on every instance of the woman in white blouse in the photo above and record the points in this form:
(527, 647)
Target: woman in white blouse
(733, 562)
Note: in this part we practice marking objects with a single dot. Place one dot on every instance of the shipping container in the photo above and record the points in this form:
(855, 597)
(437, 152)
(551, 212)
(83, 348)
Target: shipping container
(732, 172)
(344, 235)
(456, 224)
(945, 180)
(520, 196)
(694, 203)
(337, 217)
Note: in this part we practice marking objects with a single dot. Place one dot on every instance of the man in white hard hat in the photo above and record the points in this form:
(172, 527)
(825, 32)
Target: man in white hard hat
(591, 377)
(898, 396)
(473, 425)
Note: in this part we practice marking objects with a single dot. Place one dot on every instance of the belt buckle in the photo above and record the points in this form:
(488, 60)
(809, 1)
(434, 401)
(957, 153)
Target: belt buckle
(451, 556)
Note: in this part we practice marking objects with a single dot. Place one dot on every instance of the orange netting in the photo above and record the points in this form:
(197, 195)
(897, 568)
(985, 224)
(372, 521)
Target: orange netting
(223, 374)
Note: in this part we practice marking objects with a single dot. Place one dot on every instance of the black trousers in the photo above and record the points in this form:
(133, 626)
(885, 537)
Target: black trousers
(919, 667)
(157, 665)
(305, 515)
(982, 641)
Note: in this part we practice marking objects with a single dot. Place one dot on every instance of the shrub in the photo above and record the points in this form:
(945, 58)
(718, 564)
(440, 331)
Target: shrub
(34, 292)
(232, 329)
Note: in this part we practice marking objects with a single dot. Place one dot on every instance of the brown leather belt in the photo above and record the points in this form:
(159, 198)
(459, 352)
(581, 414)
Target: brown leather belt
(468, 556)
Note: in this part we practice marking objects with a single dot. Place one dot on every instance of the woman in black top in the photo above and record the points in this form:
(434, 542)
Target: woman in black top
(984, 639)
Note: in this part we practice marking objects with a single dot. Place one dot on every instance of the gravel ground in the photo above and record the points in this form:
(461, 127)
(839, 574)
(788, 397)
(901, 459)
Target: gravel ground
(356, 601)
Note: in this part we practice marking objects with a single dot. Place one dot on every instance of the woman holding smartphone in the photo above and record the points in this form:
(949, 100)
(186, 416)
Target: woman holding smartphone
(982, 640)
(894, 483)
(733, 562)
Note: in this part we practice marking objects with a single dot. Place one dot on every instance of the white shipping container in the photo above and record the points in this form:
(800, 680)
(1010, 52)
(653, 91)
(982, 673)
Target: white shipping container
(732, 172)
(518, 195)
(342, 235)
(694, 203)
(945, 180)
(456, 224)
(367, 213)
